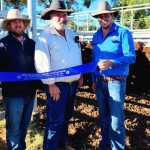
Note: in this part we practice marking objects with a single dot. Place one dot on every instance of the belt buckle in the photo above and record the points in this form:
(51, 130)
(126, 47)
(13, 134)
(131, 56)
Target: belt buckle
(107, 78)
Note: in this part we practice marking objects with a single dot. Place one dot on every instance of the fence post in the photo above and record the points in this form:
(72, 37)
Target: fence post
(121, 18)
(32, 14)
(2, 4)
(132, 13)
(77, 22)
(87, 22)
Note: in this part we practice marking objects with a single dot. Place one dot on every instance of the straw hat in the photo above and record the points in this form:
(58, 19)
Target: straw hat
(14, 14)
(104, 8)
(57, 5)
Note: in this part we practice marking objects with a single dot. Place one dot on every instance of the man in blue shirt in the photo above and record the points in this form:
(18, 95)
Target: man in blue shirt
(56, 49)
(113, 49)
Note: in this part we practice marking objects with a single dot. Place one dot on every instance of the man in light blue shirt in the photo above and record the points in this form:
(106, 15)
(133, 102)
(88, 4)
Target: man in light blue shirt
(113, 49)
(56, 49)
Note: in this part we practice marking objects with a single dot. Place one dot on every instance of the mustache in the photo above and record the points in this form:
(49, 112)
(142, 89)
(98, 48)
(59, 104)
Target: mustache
(63, 22)
(18, 26)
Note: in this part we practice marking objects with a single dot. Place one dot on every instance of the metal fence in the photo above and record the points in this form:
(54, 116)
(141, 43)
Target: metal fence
(83, 21)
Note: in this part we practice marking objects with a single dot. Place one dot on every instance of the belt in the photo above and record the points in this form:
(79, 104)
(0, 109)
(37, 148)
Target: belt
(67, 83)
(112, 78)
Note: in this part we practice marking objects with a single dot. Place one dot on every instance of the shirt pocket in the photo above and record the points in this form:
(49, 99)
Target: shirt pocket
(55, 46)
(115, 46)
(56, 51)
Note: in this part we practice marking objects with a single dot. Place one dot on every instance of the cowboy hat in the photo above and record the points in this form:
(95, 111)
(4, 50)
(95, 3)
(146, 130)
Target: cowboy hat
(14, 14)
(104, 8)
(57, 5)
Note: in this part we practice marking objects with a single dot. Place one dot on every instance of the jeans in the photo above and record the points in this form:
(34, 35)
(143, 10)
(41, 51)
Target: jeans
(58, 115)
(18, 111)
(110, 97)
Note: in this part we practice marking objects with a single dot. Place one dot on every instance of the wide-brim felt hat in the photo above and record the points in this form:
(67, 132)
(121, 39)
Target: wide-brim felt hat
(105, 8)
(14, 14)
(57, 5)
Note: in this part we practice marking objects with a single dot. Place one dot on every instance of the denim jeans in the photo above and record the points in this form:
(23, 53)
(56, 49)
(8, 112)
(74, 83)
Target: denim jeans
(58, 115)
(18, 114)
(110, 97)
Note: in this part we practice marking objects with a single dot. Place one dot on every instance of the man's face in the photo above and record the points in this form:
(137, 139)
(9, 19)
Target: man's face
(106, 20)
(59, 20)
(16, 27)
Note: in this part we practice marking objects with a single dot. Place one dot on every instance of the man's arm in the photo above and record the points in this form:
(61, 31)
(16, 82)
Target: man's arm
(3, 56)
(43, 64)
(42, 57)
(128, 50)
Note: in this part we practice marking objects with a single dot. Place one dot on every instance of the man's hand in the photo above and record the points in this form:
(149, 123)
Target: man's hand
(54, 92)
(105, 64)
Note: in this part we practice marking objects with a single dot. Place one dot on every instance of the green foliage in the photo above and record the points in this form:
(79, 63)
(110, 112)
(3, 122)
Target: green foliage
(76, 4)
(92, 28)
(34, 138)
(2, 124)
(15, 3)
(1, 108)
(140, 18)
(119, 3)
(71, 24)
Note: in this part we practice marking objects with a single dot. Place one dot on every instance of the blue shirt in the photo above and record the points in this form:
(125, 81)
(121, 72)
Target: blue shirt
(117, 46)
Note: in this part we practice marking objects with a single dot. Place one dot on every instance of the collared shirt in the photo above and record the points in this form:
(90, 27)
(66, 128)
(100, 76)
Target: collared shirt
(117, 46)
(54, 52)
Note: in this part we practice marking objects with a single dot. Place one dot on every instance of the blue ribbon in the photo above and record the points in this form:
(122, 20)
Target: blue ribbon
(22, 76)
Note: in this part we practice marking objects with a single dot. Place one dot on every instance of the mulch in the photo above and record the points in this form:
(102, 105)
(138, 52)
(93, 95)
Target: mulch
(84, 133)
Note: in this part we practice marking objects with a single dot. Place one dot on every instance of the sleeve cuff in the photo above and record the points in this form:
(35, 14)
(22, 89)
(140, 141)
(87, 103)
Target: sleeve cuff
(48, 81)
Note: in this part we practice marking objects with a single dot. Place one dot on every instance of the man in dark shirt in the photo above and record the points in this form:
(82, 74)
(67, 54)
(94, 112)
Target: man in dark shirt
(17, 55)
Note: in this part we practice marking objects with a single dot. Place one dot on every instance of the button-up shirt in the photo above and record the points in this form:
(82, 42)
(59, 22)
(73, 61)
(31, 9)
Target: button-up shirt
(54, 52)
(117, 46)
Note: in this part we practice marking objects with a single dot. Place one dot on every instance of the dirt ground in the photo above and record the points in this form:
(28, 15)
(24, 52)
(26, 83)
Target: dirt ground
(84, 131)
